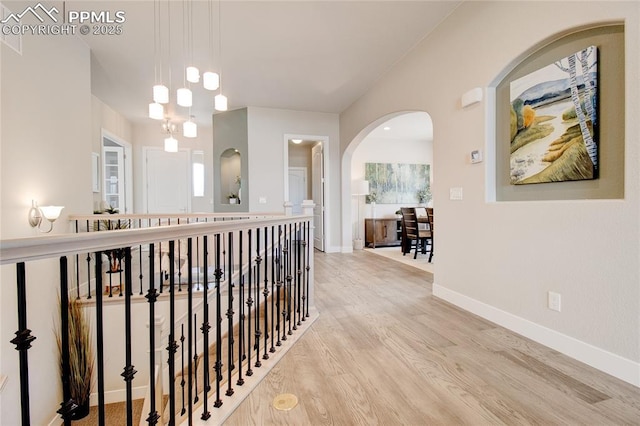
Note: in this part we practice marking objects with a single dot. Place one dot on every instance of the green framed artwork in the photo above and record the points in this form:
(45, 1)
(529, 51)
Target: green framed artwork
(397, 183)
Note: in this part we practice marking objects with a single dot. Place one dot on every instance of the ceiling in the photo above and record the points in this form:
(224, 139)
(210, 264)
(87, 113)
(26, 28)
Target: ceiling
(318, 56)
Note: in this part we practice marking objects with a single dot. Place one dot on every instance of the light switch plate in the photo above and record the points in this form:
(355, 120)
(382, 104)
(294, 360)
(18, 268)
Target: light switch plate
(455, 193)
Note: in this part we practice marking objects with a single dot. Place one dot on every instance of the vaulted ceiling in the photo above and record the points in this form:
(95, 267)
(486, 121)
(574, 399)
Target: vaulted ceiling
(301, 55)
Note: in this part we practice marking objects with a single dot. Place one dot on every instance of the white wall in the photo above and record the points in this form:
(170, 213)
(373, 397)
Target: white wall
(267, 130)
(513, 253)
(46, 156)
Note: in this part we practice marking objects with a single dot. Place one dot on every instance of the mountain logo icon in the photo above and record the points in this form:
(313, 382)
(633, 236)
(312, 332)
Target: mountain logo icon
(39, 11)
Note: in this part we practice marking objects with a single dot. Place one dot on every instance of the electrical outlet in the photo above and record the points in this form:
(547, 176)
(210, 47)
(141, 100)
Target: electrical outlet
(262, 200)
(554, 301)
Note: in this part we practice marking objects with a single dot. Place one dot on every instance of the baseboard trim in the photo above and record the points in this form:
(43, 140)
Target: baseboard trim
(610, 363)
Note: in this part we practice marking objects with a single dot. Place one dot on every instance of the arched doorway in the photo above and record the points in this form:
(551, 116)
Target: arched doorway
(404, 137)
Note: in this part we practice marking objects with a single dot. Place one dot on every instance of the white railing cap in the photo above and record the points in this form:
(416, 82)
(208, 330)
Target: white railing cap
(49, 246)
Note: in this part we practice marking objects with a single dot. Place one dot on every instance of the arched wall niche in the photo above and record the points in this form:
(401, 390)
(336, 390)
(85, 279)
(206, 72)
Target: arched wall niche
(230, 176)
(609, 39)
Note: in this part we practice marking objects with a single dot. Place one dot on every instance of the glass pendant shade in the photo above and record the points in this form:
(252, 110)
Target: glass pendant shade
(51, 213)
(156, 111)
(211, 80)
(160, 94)
(171, 144)
(189, 129)
(220, 102)
(193, 74)
(184, 97)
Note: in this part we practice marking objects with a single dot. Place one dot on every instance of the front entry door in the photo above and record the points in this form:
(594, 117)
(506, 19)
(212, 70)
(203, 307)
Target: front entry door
(168, 182)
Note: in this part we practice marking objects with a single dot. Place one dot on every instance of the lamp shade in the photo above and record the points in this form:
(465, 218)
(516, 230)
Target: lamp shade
(185, 98)
(171, 144)
(193, 74)
(220, 102)
(160, 94)
(156, 111)
(211, 80)
(189, 129)
(51, 213)
(360, 187)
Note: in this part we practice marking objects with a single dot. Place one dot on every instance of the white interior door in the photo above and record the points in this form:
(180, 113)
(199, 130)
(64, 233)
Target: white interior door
(317, 194)
(297, 187)
(168, 181)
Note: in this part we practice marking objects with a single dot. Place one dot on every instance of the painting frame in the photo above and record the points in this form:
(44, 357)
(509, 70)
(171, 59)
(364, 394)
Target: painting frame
(397, 183)
(554, 115)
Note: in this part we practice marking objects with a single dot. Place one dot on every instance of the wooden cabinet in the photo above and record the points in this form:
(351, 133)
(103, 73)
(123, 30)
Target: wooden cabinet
(382, 232)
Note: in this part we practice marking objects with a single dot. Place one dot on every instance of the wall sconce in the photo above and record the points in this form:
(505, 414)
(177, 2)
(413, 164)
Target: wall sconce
(51, 213)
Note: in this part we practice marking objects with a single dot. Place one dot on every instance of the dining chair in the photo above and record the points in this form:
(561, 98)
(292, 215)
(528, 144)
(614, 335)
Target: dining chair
(430, 220)
(412, 232)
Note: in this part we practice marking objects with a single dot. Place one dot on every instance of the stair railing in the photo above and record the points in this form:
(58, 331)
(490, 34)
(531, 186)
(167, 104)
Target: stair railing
(251, 260)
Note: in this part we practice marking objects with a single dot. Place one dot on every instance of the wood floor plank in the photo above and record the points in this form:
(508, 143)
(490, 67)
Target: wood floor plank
(385, 351)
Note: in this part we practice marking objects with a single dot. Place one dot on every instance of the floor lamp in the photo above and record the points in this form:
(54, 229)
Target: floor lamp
(359, 189)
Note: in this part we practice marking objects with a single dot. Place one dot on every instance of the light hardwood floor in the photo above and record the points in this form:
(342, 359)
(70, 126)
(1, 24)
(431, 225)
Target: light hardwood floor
(385, 351)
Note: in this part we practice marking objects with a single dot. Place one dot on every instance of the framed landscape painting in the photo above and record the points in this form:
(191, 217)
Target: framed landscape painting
(393, 183)
(554, 121)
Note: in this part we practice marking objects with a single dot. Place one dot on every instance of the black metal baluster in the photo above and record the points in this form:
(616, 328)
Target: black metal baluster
(249, 304)
(120, 285)
(241, 353)
(205, 331)
(195, 360)
(182, 381)
(285, 267)
(179, 268)
(172, 346)
(218, 364)
(68, 405)
(128, 372)
(230, 313)
(190, 324)
(100, 337)
(88, 275)
(298, 309)
(77, 268)
(307, 267)
(291, 249)
(151, 297)
(258, 332)
(265, 293)
(160, 262)
(274, 313)
(141, 275)
(198, 261)
(110, 273)
(278, 283)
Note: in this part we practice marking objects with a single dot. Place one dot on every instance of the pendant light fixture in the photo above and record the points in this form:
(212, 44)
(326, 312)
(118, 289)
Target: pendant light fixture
(210, 79)
(156, 111)
(160, 91)
(184, 96)
(170, 143)
(193, 73)
(190, 128)
(220, 101)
